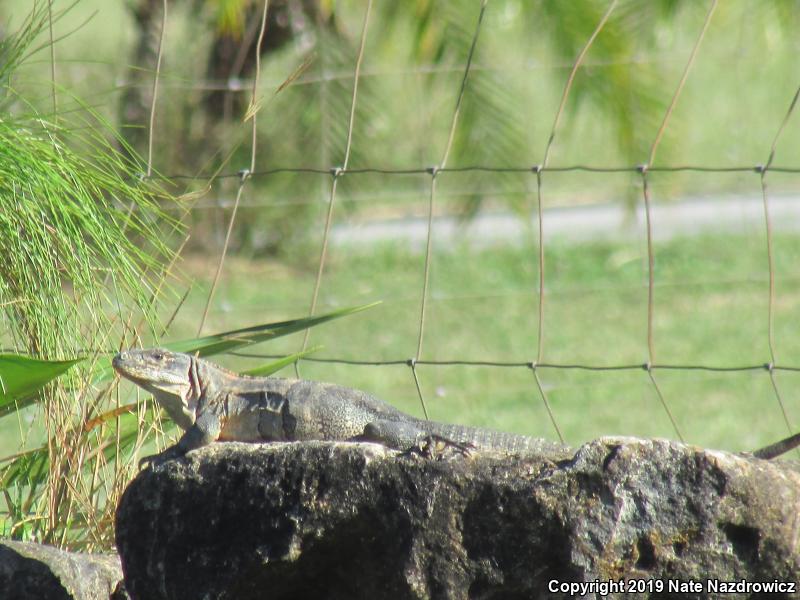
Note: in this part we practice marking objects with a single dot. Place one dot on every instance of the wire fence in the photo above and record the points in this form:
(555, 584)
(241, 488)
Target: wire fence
(653, 368)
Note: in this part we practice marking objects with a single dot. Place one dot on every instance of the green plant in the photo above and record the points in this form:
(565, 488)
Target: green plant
(87, 264)
(84, 244)
(22, 378)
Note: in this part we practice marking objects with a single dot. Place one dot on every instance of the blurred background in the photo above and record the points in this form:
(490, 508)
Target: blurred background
(711, 301)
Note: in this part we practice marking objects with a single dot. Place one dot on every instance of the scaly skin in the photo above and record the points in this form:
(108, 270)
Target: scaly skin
(211, 403)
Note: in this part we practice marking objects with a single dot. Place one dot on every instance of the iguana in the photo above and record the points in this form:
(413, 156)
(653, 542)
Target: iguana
(211, 403)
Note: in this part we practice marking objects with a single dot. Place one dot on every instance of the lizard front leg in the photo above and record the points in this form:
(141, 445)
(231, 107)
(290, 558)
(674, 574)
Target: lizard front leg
(410, 438)
(204, 431)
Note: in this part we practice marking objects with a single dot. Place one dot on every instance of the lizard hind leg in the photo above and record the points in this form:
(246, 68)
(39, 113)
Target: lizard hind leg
(410, 438)
(434, 446)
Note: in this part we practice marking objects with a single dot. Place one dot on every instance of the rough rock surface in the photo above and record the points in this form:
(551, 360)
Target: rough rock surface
(339, 520)
(37, 572)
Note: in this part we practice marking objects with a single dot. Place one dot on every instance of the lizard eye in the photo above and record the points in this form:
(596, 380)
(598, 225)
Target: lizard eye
(158, 355)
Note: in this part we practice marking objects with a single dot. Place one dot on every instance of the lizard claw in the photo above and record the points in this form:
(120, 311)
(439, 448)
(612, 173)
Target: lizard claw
(147, 461)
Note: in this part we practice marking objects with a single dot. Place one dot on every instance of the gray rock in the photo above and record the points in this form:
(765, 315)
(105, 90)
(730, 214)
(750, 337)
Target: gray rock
(37, 572)
(338, 520)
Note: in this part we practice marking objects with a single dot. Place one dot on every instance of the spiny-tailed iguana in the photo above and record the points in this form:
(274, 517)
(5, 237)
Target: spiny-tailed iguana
(211, 403)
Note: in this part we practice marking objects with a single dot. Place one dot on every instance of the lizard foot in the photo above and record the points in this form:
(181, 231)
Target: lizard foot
(153, 460)
(436, 447)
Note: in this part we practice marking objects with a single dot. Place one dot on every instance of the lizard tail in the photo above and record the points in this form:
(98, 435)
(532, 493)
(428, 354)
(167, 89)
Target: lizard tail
(778, 448)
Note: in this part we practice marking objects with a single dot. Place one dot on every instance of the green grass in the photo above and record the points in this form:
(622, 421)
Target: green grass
(710, 308)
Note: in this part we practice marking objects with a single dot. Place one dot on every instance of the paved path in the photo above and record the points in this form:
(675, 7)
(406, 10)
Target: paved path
(691, 216)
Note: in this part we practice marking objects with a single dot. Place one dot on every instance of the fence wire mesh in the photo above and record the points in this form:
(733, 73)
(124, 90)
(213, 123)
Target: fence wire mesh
(535, 363)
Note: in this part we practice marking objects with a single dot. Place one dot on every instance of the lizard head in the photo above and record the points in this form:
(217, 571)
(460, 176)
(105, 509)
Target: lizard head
(170, 376)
